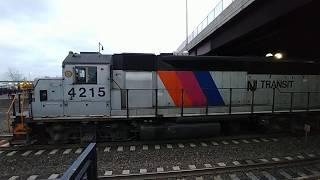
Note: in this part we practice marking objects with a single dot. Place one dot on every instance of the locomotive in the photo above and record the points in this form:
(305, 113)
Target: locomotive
(146, 96)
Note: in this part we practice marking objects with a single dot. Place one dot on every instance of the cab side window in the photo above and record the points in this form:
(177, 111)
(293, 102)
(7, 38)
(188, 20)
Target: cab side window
(85, 75)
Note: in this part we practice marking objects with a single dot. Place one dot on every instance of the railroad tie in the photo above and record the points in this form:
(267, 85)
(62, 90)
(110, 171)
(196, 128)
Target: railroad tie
(218, 177)
(199, 178)
(26, 153)
(145, 147)
(180, 145)
(285, 174)
(53, 176)
(204, 144)
(132, 148)
(143, 171)
(67, 151)
(160, 169)
(234, 177)
(32, 177)
(126, 172)
(13, 178)
(120, 148)
(79, 150)
(252, 176)
(53, 151)
(192, 166)
(107, 149)
(268, 175)
(39, 152)
(108, 173)
(11, 153)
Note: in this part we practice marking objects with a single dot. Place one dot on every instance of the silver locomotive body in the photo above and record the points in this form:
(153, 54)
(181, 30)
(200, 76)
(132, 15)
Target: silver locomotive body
(92, 86)
(146, 92)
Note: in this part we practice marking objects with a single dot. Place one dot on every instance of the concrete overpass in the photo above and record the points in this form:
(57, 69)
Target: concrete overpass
(257, 27)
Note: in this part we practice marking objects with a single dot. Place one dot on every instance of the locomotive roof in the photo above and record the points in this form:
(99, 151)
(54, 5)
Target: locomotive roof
(151, 62)
(87, 58)
(254, 65)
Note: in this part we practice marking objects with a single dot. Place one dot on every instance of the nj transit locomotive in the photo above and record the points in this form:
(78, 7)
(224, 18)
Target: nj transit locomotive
(125, 96)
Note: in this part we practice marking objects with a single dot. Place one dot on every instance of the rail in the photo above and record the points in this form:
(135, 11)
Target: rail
(225, 101)
(218, 170)
(85, 166)
(214, 13)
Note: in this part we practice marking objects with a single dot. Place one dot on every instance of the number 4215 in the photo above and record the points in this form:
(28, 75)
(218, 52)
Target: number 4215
(82, 92)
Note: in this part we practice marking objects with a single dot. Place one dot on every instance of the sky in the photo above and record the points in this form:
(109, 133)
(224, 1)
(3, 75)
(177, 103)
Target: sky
(36, 35)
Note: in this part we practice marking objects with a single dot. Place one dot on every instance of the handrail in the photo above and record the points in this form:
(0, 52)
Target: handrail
(21, 113)
(11, 105)
(8, 112)
(252, 98)
(84, 165)
(166, 89)
(213, 14)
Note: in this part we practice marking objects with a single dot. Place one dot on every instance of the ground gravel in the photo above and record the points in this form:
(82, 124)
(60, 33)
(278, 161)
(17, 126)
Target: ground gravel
(43, 165)
(167, 158)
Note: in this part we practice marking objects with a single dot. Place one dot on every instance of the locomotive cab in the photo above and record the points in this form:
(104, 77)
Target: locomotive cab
(83, 90)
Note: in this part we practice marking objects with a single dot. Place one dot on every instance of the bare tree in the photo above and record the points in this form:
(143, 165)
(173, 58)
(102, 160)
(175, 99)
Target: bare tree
(14, 74)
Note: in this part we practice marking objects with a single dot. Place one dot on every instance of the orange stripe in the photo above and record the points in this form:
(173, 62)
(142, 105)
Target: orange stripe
(174, 86)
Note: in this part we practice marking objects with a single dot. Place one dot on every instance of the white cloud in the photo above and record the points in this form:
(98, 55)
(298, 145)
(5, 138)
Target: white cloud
(35, 36)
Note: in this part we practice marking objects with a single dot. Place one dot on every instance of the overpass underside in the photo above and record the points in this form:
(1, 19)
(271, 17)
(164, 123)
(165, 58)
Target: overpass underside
(286, 26)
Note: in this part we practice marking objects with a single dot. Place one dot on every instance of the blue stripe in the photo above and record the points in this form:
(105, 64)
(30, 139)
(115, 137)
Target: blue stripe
(209, 88)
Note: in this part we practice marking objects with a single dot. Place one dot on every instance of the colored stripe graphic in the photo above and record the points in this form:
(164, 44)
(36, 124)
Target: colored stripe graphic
(192, 88)
(209, 88)
(174, 86)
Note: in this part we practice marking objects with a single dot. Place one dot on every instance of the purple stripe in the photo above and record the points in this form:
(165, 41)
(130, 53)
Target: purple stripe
(192, 88)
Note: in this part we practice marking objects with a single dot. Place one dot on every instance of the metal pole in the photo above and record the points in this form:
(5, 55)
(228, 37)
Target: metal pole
(273, 97)
(19, 105)
(252, 102)
(207, 107)
(14, 106)
(181, 102)
(207, 20)
(127, 92)
(291, 101)
(30, 102)
(156, 111)
(230, 100)
(187, 33)
(308, 101)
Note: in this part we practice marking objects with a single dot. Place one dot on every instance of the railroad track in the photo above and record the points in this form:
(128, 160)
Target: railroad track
(37, 162)
(188, 159)
(311, 163)
(191, 159)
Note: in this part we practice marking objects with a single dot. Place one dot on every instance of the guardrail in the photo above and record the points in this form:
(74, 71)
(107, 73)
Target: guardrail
(85, 167)
(214, 13)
